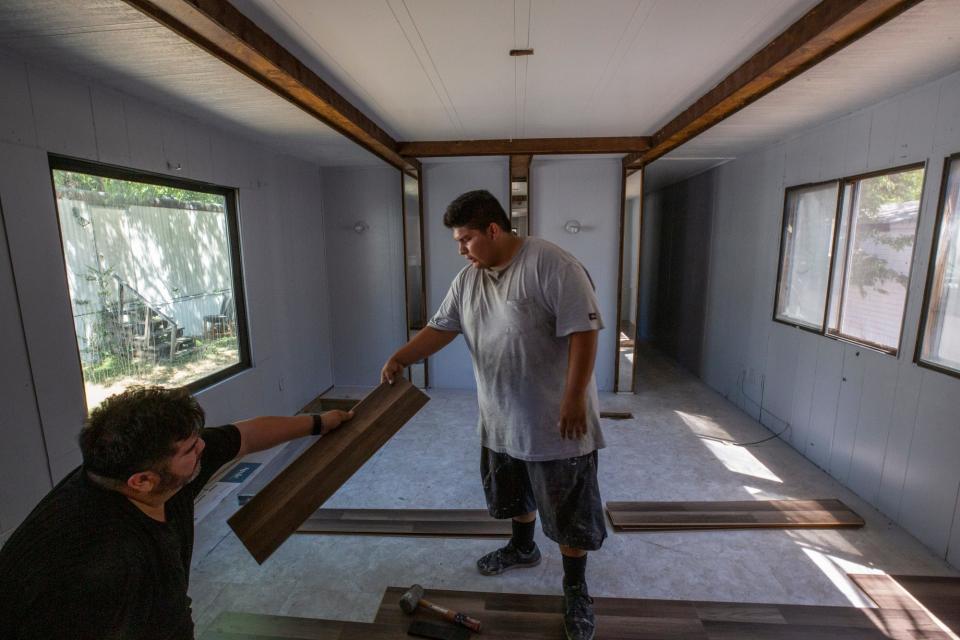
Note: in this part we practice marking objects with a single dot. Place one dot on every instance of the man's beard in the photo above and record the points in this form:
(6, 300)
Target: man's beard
(171, 482)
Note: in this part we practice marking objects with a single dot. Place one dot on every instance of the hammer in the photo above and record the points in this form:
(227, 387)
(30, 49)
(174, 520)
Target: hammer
(413, 598)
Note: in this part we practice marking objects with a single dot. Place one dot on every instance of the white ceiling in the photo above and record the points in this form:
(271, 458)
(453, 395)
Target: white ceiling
(439, 69)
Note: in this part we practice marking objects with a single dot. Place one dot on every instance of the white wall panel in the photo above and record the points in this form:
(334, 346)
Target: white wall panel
(452, 368)
(110, 124)
(282, 245)
(803, 390)
(933, 474)
(946, 138)
(34, 235)
(848, 412)
(916, 125)
(587, 191)
(61, 106)
(24, 476)
(889, 430)
(873, 425)
(826, 394)
(16, 113)
(366, 270)
(903, 423)
(856, 152)
(883, 136)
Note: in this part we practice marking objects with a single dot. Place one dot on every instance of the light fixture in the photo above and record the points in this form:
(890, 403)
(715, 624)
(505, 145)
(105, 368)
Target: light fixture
(572, 227)
(360, 227)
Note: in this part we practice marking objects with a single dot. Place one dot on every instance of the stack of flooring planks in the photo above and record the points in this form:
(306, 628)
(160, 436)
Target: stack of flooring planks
(535, 617)
(270, 517)
(448, 523)
(746, 514)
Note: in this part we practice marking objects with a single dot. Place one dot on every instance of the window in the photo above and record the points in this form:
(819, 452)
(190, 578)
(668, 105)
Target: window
(153, 270)
(939, 340)
(808, 220)
(846, 253)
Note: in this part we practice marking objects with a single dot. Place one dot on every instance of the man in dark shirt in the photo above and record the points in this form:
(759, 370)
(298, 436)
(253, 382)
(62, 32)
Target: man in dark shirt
(106, 554)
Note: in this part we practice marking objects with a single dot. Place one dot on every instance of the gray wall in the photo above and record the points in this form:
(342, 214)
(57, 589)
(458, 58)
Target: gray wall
(682, 216)
(366, 275)
(877, 423)
(282, 248)
(586, 190)
(452, 368)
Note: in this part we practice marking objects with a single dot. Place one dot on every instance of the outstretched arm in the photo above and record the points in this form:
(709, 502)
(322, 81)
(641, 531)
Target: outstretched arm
(257, 434)
(573, 410)
(427, 342)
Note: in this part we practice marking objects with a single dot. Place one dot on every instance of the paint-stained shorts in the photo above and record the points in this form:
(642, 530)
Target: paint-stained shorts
(565, 493)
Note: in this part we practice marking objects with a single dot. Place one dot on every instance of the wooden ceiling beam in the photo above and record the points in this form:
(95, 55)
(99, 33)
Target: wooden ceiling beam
(522, 146)
(220, 29)
(824, 30)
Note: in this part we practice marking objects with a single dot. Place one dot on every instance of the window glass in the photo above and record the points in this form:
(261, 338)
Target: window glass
(151, 274)
(874, 252)
(941, 331)
(805, 255)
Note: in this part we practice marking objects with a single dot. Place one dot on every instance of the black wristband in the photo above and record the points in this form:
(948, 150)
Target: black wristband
(317, 425)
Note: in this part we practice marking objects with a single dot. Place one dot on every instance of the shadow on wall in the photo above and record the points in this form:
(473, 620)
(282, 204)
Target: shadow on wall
(676, 227)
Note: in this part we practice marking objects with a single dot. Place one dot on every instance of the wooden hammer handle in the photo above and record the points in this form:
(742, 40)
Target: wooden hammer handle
(457, 618)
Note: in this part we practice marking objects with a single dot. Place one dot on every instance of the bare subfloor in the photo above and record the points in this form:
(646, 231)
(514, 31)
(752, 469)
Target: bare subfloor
(433, 462)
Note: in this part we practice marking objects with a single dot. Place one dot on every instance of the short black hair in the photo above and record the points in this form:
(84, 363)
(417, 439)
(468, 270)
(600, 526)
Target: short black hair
(137, 430)
(476, 210)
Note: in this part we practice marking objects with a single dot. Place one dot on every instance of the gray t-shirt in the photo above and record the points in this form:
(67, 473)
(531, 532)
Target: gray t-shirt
(516, 322)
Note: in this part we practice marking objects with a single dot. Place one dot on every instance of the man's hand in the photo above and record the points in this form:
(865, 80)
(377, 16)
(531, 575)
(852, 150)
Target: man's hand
(391, 370)
(573, 417)
(330, 420)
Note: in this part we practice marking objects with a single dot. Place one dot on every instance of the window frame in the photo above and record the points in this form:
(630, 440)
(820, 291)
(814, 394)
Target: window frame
(842, 184)
(77, 165)
(833, 240)
(931, 271)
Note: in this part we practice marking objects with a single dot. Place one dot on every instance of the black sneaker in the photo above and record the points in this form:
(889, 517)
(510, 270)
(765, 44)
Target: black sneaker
(508, 557)
(578, 620)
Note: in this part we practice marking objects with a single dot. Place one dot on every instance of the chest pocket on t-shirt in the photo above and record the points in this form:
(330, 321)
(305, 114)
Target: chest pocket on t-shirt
(522, 316)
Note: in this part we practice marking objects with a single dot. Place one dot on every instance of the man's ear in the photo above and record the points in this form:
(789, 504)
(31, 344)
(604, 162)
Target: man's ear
(143, 481)
(494, 230)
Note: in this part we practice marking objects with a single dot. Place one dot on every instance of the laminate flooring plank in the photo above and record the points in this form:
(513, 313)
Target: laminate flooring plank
(826, 504)
(744, 514)
(278, 463)
(452, 523)
(264, 523)
(916, 595)
(718, 630)
(255, 625)
(513, 615)
(857, 617)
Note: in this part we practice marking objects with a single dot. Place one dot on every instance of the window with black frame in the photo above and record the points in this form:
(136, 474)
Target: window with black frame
(939, 339)
(846, 255)
(153, 270)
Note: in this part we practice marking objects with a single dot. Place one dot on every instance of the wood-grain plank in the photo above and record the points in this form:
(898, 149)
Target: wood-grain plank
(264, 523)
(452, 523)
(915, 595)
(258, 625)
(660, 516)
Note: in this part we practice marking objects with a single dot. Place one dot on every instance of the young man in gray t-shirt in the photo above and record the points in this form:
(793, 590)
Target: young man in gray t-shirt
(529, 314)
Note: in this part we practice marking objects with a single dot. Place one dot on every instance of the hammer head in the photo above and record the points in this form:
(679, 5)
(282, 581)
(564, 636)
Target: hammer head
(410, 599)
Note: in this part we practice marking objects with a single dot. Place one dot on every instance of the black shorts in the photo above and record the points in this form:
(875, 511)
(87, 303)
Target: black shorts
(564, 492)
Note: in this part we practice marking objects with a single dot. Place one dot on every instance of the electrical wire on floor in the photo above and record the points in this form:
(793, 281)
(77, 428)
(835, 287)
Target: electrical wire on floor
(744, 395)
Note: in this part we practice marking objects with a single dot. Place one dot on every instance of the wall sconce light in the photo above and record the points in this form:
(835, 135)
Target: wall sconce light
(360, 227)
(572, 227)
